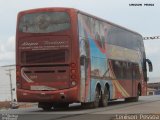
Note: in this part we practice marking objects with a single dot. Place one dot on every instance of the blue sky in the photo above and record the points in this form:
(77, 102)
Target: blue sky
(145, 20)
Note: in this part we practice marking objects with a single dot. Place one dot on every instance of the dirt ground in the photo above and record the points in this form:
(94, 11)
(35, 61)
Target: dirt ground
(4, 104)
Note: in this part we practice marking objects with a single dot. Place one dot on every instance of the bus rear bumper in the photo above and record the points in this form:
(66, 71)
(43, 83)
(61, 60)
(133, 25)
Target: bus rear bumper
(66, 95)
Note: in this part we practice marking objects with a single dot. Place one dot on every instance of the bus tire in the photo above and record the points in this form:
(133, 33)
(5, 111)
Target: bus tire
(105, 97)
(45, 106)
(137, 97)
(134, 99)
(87, 105)
(61, 105)
(96, 102)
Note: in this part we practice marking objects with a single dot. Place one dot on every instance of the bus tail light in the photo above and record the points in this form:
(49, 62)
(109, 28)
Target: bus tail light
(18, 80)
(73, 74)
(73, 65)
(73, 71)
(73, 77)
(17, 71)
(18, 85)
(73, 83)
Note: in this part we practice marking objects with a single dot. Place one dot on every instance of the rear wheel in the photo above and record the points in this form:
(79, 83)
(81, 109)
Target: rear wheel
(61, 105)
(134, 99)
(87, 105)
(96, 101)
(45, 106)
(105, 98)
(138, 94)
(97, 98)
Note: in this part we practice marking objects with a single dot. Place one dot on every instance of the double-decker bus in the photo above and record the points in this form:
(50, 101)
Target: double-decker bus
(65, 56)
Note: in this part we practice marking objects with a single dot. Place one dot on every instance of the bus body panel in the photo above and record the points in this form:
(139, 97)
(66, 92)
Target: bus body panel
(45, 61)
(91, 52)
(59, 96)
(101, 55)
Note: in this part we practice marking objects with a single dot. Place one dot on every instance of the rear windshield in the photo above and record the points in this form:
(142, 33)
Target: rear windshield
(44, 22)
(44, 57)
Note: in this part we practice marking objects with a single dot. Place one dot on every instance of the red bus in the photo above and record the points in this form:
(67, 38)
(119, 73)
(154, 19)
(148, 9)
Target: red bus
(65, 56)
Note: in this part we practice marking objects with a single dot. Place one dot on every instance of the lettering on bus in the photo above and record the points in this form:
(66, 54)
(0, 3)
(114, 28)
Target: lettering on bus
(29, 44)
(44, 45)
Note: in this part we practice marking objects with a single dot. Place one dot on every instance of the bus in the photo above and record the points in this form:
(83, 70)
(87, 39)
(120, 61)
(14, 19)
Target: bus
(64, 56)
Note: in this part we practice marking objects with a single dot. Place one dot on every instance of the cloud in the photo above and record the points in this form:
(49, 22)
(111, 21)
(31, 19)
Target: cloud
(7, 51)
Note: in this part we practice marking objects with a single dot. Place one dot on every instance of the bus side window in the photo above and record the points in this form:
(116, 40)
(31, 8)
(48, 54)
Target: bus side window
(117, 68)
(82, 60)
(129, 70)
(135, 71)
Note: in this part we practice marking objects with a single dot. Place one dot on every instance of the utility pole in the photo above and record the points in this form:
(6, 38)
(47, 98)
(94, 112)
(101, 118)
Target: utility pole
(11, 87)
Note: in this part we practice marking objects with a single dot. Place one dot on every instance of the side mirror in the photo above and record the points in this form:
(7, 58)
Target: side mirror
(149, 65)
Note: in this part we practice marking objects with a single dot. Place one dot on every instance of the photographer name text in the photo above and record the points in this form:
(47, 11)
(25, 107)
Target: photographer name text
(137, 117)
(142, 4)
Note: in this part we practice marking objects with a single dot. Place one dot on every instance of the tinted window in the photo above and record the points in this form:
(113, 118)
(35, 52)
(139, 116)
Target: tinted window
(136, 72)
(123, 38)
(44, 22)
(44, 56)
(125, 70)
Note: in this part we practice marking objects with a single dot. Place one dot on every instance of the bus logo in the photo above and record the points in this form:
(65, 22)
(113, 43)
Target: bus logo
(29, 44)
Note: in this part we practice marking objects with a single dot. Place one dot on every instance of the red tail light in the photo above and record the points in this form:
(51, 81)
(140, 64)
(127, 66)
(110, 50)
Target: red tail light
(73, 65)
(18, 85)
(73, 83)
(73, 74)
(73, 71)
(18, 72)
(73, 77)
(18, 80)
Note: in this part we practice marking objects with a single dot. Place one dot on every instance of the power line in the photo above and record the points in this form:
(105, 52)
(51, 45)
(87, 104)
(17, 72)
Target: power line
(151, 38)
(8, 65)
(7, 84)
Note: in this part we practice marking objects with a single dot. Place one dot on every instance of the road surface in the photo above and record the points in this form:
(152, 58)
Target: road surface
(145, 105)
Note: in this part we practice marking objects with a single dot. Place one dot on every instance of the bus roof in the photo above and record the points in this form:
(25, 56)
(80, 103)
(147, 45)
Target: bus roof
(78, 11)
(108, 22)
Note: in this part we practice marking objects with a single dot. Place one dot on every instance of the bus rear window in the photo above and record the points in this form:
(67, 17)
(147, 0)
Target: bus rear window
(44, 57)
(44, 22)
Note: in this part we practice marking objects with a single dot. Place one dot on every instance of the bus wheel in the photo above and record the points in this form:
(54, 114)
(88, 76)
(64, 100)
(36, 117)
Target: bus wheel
(133, 99)
(87, 105)
(96, 102)
(61, 105)
(97, 98)
(45, 106)
(105, 98)
(137, 97)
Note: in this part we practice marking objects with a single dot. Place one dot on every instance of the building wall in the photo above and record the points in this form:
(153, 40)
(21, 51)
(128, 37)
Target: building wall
(153, 88)
(5, 83)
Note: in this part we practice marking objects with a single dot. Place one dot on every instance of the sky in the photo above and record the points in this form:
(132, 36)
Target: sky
(142, 19)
